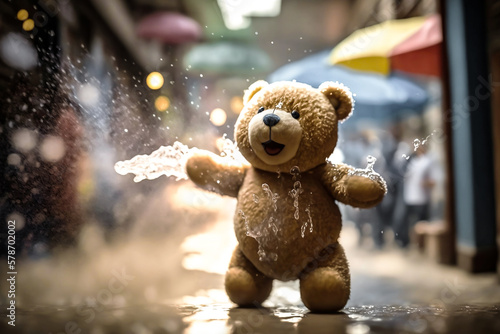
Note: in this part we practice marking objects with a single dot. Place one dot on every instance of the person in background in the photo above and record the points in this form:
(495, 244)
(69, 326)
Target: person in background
(367, 143)
(420, 178)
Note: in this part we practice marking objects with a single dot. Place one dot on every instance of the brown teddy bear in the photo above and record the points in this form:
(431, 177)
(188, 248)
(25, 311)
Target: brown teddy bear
(287, 221)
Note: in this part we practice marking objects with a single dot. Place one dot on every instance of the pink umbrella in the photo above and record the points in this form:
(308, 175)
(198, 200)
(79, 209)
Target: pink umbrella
(169, 28)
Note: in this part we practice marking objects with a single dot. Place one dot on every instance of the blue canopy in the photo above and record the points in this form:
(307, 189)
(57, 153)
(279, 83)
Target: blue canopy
(377, 97)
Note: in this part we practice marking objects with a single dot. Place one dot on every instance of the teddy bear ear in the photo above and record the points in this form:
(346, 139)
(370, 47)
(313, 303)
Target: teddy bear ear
(253, 89)
(340, 97)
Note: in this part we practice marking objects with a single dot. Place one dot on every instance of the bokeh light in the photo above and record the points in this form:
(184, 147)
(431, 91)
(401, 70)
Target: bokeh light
(18, 218)
(52, 149)
(218, 117)
(24, 140)
(28, 25)
(154, 80)
(236, 104)
(18, 52)
(162, 103)
(22, 15)
(14, 159)
(88, 95)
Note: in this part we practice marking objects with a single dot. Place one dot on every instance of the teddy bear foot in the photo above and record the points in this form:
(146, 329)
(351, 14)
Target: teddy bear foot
(244, 290)
(245, 285)
(324, 291)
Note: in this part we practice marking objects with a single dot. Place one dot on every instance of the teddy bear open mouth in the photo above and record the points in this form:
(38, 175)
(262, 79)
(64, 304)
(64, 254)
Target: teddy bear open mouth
(272, 148)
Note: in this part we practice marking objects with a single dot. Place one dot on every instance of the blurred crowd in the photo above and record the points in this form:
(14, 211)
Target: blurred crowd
(412, 172)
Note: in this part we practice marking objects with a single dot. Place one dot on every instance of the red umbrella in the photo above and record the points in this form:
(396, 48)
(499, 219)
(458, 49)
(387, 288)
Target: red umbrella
(421, 53)
(410, 45)
(169, 28)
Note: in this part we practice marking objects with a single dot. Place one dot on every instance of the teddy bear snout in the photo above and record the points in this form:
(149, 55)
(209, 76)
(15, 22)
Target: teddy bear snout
(271, 119)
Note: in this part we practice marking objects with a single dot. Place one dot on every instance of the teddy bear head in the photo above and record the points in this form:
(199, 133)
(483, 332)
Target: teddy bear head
(288, 124)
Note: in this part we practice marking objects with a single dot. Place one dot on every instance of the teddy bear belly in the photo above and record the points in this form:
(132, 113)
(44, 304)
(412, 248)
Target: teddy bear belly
(271, 236)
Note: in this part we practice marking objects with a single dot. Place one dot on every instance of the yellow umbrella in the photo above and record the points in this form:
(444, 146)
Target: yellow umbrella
(369, 49)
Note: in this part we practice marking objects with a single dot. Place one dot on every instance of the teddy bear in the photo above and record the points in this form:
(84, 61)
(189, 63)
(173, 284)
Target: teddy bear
(287, 222)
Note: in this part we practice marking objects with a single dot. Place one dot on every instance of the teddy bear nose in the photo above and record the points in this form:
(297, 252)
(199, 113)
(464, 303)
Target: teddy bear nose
(271, 119)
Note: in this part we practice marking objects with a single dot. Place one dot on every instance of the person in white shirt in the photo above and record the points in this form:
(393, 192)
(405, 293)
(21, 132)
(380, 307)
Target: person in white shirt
(420, 179)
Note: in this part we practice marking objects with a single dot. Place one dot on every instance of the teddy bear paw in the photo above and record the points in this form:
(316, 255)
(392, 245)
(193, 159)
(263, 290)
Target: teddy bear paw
(364, 189)
(324, 290)
(245, 289)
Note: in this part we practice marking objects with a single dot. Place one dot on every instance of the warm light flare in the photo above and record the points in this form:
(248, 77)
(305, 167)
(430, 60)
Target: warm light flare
(28, 25)
(218, 117)
(162, 103)
(22, 15)
(154, 80)
(236, 104)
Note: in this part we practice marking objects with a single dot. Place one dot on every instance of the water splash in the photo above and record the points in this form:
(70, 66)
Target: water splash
(416, 144)
(256, 198)
(370, 162)
(419, 142)
(369, 172)
(295, 194)
(272, 226)
(167, 160)
(272, 196)
(426, 139)
(261, 234)
(229, 149)
(308, 222)
(295, 171)
(249, 232)
(171, 160)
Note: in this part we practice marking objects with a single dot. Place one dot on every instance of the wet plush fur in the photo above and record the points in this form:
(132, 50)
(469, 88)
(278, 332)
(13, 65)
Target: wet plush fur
(316, 258)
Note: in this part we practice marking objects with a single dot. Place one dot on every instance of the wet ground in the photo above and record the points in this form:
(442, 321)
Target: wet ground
(172, 282)
(225, 318)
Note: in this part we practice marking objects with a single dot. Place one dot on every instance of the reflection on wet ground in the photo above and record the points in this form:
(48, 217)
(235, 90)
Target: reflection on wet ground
(225, 318)
(167, 277)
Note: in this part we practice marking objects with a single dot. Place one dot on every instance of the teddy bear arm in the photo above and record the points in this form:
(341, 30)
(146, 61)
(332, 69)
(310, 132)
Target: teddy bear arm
(214, 173)
(355, 190)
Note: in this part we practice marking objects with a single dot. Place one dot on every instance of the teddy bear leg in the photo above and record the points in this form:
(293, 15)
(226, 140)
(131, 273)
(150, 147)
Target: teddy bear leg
(325, 284)
(245, 285)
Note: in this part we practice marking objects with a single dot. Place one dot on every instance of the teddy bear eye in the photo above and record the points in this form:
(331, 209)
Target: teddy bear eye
(261, 109)
(295, 114)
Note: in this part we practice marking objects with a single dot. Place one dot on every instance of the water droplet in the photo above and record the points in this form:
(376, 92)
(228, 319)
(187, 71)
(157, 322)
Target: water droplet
(295, 193)
(371, 162)
(295, 171)
(416, 144)
(272, 196)
(255, 198)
